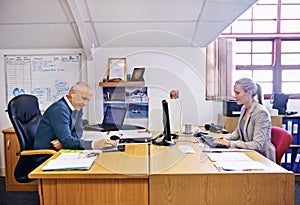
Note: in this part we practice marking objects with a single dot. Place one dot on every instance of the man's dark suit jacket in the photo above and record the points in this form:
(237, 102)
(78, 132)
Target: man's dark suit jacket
(59, 122)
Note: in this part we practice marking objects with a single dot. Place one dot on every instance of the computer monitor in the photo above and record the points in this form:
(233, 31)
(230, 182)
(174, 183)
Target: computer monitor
(167, 136)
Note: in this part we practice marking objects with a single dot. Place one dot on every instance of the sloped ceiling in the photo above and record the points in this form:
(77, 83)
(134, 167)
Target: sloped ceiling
(42, 24)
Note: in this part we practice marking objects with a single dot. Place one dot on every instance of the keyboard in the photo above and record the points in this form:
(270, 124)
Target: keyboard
(209, 141)
(114, 148)
(134, 140)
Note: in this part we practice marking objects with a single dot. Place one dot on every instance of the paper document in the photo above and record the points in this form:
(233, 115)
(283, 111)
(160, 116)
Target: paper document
(209, 149)
(229, 156)
(186, 149)
(72, 161)
(240, 166)
(235, 161)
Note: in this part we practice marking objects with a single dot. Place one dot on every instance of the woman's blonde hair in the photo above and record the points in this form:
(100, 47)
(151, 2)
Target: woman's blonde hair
(248, 85)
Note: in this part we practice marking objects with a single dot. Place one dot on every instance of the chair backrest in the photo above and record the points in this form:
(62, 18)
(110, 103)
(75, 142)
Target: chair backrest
(25, 115)
(281, 139)
(279, 101)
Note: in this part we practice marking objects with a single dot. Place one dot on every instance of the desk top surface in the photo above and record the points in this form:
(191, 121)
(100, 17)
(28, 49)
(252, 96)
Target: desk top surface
(170, 160)
(132, 162)
(143, 160)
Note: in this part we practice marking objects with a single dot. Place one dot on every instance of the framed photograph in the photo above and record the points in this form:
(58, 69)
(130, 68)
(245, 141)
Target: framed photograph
(137, 74)
(116, 69)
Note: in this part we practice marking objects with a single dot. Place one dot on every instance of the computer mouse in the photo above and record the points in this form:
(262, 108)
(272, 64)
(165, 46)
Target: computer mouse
(114, 137)
(225, 132)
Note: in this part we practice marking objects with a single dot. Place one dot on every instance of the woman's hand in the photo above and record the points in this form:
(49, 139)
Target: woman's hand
(223, 141)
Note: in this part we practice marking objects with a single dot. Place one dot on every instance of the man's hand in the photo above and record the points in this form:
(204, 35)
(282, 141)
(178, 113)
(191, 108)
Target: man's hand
(56, 144)
(103, 143)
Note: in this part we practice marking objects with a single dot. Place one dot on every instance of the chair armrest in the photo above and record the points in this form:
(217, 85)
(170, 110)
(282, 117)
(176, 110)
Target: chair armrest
(38, 151)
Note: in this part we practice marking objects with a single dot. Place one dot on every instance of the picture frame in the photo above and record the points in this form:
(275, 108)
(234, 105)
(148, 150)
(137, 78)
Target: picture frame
(137, 74)
(116, 69)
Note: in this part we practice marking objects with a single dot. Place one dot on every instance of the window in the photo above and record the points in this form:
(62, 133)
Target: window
(267, 46)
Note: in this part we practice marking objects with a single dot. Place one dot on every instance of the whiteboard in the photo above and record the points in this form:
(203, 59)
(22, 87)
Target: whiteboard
(49, 77)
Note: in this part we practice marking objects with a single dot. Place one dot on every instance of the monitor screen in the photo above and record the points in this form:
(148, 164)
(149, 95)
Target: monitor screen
(114, 116)
(166, 121)
(167, 137)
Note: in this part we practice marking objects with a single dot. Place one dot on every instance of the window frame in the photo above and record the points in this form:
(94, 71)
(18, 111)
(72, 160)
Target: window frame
(276, 38)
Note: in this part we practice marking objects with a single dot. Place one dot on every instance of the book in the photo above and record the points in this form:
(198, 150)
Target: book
(71, 161)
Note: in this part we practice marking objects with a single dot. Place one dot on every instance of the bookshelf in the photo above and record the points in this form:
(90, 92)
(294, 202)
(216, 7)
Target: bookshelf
(132, 95)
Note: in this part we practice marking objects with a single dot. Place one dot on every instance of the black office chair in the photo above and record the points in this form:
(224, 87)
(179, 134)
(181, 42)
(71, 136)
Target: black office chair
(25, 115)
(279, 101)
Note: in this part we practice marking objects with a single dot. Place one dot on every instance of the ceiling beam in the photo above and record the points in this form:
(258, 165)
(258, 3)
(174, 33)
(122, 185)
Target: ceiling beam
(86, 43)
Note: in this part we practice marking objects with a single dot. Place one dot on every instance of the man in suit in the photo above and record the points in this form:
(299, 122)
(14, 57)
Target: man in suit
(61, 124)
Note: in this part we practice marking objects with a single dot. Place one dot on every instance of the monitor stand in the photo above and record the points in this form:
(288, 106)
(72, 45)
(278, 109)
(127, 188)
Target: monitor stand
(164, 142)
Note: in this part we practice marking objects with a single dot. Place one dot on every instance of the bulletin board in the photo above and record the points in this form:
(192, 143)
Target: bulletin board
(49, 77)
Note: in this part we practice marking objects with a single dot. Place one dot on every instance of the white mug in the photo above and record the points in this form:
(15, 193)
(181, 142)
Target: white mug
(188, 128)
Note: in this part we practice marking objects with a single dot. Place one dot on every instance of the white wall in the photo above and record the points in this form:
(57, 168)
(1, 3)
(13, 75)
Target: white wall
(181, 69)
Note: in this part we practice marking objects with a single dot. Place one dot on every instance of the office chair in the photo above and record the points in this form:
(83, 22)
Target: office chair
(281, 139)
(279, 101)
(24, 114)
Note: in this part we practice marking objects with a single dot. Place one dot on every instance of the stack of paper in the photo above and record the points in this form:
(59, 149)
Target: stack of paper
(71, 161)
(235, 161)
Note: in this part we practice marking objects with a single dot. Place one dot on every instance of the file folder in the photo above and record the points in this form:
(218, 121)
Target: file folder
(295, 131)
(288, 162)
(296, 162)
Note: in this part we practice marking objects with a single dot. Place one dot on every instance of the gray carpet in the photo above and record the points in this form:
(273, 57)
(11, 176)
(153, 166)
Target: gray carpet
(297, 193)
(16, 197)
(32, 198)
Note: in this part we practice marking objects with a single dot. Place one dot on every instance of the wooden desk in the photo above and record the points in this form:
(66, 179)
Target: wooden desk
(115, 178)
(11, 147)
(165, 176)
(178, 178)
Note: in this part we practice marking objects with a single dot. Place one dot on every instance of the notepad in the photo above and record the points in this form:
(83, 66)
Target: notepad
(71, 161)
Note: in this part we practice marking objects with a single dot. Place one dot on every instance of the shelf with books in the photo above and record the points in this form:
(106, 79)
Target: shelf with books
(291, 159)
(132, 95)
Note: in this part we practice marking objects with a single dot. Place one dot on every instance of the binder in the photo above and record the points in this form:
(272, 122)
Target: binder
(284, 123)
(298, 168)
(283, 161)
(288, 157)
(296, 162)
(295, 131)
